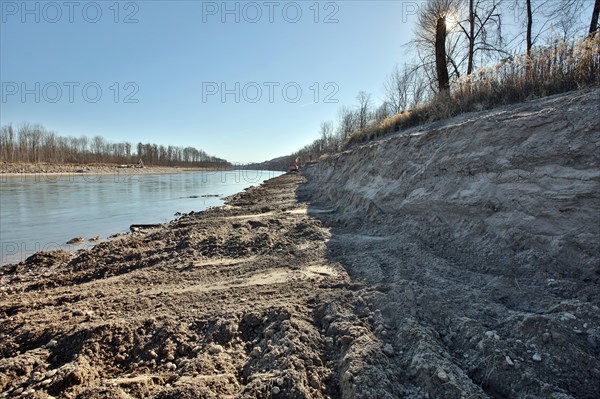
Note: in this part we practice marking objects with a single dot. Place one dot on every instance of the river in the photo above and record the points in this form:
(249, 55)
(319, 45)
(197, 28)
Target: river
(42, 212)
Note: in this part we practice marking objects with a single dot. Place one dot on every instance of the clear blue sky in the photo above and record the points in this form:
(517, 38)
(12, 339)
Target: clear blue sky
(171, 52)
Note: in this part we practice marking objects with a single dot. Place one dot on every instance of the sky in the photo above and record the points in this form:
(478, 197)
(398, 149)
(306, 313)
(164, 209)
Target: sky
(245, 81)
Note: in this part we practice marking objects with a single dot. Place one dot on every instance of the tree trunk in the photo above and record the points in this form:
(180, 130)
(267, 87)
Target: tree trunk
(441, 62)
(471, 36)
(594, 24)
(529, 26)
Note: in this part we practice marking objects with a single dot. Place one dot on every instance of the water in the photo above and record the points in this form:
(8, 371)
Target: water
(43, 212)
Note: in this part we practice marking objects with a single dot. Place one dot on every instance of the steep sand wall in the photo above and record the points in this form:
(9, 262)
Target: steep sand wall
(519, 185)
(480, 240)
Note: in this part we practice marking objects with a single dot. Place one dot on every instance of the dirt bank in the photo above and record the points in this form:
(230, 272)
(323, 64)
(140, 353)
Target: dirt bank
(459, 261)
(484, 234)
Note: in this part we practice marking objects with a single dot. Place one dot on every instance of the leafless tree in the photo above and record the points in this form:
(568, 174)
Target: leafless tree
(482, 29)
(32, 143)
(328, 141)
(432, 34)
(98, 147)
(419, 91)
(364, 109)
(7, 143)
(397, 88)
(348, 122)
(595, 12)
(542, 16)
(382, 112)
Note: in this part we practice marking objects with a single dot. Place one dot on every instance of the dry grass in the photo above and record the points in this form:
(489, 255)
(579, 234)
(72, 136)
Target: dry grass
(550, 70)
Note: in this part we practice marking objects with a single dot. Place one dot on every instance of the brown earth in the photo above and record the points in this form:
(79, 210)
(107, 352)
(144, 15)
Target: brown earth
(459, 260)
(231, 302)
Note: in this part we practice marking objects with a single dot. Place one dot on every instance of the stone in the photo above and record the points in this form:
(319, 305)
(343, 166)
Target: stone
(314, 382)
(275, 391)
(546, 337)
(388, 350)
(215, 349)
(568, 316)
(183, 349)
(536, 357)
(76, 240)
(443, 376)
(51, 373)
(171, 366)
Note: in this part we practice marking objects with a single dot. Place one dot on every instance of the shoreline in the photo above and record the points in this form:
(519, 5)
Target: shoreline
(53, 170)
(217, 295)
(17, 252)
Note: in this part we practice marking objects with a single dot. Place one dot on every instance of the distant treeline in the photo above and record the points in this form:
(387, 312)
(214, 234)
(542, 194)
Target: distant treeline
(34, 144)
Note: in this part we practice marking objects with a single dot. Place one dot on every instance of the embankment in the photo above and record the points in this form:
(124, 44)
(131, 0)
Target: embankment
(484, 233)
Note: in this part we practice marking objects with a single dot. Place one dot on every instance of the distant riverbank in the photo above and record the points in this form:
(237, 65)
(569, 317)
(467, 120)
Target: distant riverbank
(20, 169)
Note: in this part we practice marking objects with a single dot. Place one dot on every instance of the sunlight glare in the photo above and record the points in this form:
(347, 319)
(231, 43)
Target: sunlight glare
(451, 21)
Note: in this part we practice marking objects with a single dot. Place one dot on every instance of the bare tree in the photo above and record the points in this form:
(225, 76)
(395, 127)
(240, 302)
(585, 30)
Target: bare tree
(543, 16)
(419, 91)
(529, 26)
(594, 23)
(35, 138)
(33, 143)
(364, 109)
(432, 30)
(7, 144)
(531, 8)
(327, 137)
(98, 147)
(348, 122)
(23, 147)
(397, 88)
(441, 62)
(482, 15)
(383, 111)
